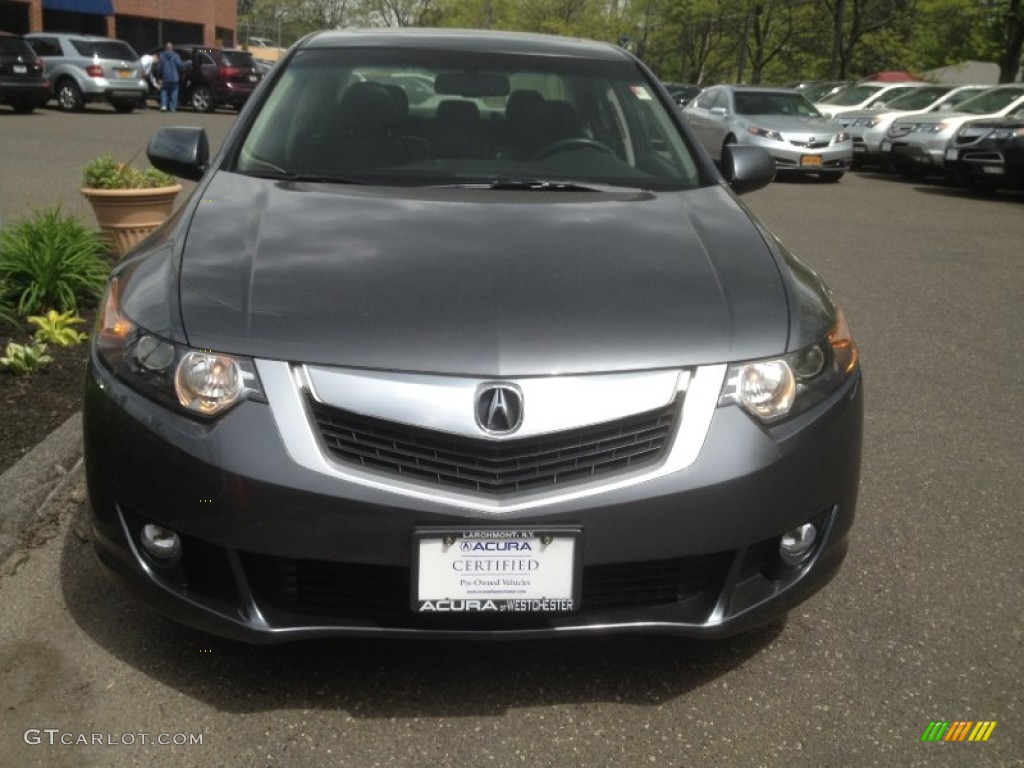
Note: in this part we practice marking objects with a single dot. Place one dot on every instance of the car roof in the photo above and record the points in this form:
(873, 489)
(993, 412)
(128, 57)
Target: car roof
(76, 36)
(465, 40)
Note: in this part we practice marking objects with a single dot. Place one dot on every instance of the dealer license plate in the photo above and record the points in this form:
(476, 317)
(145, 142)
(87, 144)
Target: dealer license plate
(886, 146)
(19, 69)
(993, 169)
(514, 570)
(951, 155)
(811, 160)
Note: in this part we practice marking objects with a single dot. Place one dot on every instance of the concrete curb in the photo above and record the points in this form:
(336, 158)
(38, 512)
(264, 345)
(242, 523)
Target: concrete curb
(39, 477)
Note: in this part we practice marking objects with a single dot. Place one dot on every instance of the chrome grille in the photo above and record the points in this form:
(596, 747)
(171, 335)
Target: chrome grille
(496, 467)
(817, 144)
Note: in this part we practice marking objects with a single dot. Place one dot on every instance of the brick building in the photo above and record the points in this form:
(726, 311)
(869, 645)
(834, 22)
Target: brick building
(145, 24)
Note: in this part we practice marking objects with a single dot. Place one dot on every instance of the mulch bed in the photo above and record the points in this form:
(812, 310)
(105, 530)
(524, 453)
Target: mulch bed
(33, 406)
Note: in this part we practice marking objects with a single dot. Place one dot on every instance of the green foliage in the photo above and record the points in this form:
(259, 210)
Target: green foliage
(106, 172)
(50, 261)
(55, 328)
(23, 359)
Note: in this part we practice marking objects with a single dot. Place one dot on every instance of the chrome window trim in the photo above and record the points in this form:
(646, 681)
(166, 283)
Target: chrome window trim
(448, 403)
(286, 388)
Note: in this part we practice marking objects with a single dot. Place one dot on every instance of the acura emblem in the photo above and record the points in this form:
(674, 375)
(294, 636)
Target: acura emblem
(499, 408)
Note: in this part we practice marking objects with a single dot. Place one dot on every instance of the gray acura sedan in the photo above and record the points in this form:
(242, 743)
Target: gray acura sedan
(510, 360)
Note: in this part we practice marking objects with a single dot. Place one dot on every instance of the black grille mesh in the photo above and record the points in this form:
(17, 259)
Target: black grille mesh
(492, 467)
(383, 593)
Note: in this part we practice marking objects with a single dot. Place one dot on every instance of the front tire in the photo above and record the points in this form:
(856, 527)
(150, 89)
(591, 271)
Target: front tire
(202, 99)
(69, 96)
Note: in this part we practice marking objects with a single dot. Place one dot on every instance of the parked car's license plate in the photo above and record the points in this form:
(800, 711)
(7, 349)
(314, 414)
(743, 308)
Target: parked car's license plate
(124, 74)
(19, 69)
(511, 570)
(951, 154)
(993, 169)
(810, 160)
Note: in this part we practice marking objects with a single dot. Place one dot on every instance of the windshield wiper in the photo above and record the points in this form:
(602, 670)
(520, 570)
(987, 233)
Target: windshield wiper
(314, 178)
(540, 185)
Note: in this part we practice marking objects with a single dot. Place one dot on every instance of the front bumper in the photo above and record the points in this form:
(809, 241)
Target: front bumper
(789, 157)
(927, 155)
(273, 551)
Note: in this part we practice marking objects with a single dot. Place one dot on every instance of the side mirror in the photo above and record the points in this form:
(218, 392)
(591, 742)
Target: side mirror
(719, 111)
(179, 151)
(747, 168)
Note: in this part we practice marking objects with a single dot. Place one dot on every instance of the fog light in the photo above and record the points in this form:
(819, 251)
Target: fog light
(796, 545)
(161, 543)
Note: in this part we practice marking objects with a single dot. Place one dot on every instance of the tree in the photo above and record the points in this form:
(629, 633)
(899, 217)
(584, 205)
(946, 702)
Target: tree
(1013, 39)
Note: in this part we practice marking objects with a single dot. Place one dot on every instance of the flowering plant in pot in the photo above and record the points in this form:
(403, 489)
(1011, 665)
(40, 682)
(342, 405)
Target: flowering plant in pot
(129, 202)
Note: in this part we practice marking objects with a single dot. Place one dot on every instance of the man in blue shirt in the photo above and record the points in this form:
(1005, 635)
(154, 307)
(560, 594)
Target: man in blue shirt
(170, 65)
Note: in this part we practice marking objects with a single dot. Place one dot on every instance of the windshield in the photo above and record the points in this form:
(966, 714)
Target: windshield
(241, 59)
(421, 117)
(988, 102)
(766, 103)
(919, 98)
(104, 49)
(851, 96)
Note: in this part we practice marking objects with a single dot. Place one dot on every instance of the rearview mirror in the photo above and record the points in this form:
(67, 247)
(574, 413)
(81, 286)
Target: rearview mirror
(747, 168)
(180, 151)
(470, 84)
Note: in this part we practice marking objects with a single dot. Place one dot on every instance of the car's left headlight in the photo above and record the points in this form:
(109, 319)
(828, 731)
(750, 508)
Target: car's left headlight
(199, 382)
(765, 133)
(774, 389)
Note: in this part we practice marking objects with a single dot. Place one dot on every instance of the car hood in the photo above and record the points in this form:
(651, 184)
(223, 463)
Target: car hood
(794, 124)
(469, 281)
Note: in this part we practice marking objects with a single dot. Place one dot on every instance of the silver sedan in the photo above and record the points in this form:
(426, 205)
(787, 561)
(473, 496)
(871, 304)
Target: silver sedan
(782, 121)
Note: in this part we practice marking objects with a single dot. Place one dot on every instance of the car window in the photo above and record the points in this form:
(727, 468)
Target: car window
(991, 101)
(761, 103)
(955, 99)
(344, 113)
(919, 98)
(882, 99)
(706, 99)
(103, 49)
(851, 96)
(239, 59)
(15, 46)
(205, 59)
(45, 46)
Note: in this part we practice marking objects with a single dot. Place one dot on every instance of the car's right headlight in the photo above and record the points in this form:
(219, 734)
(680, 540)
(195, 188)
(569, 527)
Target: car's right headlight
(198, 382)
(781, 387)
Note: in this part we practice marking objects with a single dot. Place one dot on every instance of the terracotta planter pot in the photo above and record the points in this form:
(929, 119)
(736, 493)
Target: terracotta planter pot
(127, 216)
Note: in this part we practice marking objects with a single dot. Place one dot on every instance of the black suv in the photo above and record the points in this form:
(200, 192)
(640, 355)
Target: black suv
(988, 155)
(217, 77)
(23, 82)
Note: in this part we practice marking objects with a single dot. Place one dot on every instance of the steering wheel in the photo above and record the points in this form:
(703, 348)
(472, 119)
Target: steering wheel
(573, 142)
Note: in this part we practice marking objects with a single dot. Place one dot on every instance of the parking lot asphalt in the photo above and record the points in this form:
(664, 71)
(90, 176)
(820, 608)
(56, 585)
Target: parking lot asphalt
(925, 622)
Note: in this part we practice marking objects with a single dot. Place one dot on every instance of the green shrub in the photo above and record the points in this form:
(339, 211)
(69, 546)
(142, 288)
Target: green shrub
(55, 328)
(23, 359)
(50, 261)
(106, 172)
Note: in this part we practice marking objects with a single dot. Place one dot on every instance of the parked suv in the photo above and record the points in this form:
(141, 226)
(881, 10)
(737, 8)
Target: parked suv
(987, 155)
(23, 82)
(217, 77)
(86, 68)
